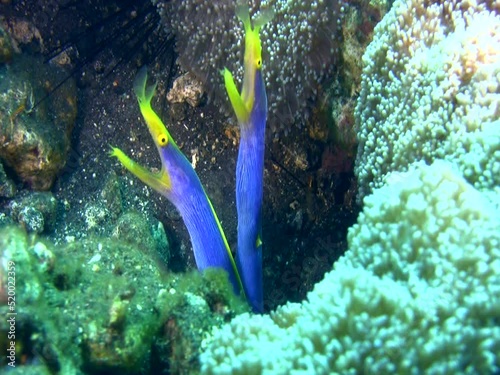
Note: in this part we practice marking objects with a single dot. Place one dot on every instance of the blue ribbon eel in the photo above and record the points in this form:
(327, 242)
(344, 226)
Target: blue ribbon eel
(179, 183)
(250, 108)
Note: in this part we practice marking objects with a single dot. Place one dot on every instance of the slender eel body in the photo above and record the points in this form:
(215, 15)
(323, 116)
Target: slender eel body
(249, 185)
(178, 182)
(251, 111)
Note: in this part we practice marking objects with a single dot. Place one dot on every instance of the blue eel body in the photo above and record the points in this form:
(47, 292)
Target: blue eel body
(190, 199)
(249, 192)
(180, 184)
(250, 107)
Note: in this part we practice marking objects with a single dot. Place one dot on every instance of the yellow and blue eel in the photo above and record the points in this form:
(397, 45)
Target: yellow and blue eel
(250, 107)
(179, 183)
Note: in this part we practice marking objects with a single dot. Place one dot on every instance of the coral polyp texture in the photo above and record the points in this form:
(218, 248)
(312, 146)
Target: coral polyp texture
(431, 89)
(300, 48)
(418, 291)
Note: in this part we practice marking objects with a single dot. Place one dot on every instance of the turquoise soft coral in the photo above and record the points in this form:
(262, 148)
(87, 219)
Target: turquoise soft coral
(417, 292)
(431, 90)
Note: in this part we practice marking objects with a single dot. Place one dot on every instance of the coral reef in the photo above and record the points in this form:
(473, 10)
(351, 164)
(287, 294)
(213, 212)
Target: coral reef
(6, 49)
(186, 89)
(35, 212)
(7, 186)
(359, 21)
(35, 134)
(121, 312)
(417, 292)
(300, 49)
(188, 311)
(133, 228)
(431, 89)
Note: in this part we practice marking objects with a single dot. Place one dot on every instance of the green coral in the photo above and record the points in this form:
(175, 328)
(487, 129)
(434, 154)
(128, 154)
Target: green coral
(114, 302)
(190, 307)
(418, 292)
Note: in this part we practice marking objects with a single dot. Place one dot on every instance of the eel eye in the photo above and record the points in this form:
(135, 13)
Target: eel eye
(162, 140)
(259, 63)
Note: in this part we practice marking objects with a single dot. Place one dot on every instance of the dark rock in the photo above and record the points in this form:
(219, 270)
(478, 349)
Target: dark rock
(134, 228)
(35, 140)
(7, 186)
(36, 212)
(6, 50)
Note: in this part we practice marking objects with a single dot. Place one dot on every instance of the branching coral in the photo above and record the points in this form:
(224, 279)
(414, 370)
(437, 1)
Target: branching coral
(300, 48)
(418, 292)
(431, 89)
